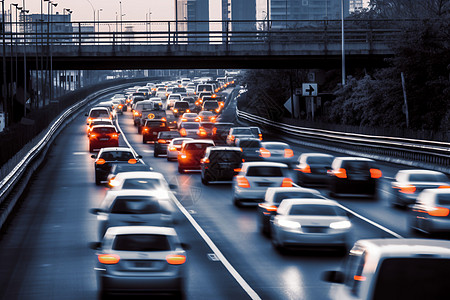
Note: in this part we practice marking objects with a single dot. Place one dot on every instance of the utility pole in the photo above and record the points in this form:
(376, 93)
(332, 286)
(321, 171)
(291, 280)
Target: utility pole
(4, 89)
(342, 43)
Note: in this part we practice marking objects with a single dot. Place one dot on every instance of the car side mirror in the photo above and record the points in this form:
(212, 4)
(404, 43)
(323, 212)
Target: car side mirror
(333, 276)
(173, 186)
(94, 156)
(139, 156)
(95, 245)
(95, 211)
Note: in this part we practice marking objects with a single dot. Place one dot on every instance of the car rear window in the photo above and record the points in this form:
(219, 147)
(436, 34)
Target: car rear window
(101, 123)
(183, 104)
(141, 184)
(135, 205)
(319, 160)
(204, 87)
(275, 146)
(250, 144)
(313, 210)
(443, 199)
(265, 171)
(155, 124)
(169, 134)
(197, 146)
(147, 106)
(413, 278)
(242, 131)
(428, 177)
(99, 113)
(190, 125)
(291, 195)
(103, 130)
(206, 113)
(121, 168)
(225, 155)
(179, 90)
(161, 89)
(207, 125)
(178, 142)
(211, 105)
(356, 165)
(117, 155)
(141, 242)
(190, 115)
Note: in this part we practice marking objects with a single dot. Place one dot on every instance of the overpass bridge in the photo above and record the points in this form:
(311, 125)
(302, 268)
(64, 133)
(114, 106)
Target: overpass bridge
(201, 44)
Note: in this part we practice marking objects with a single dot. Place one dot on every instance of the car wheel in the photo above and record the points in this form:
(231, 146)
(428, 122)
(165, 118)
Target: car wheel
(97, 180)
(139, 129)
(204, 180)
(91, 149)
(180, 170)
(237, 202)
(144, 141)
(277, 246)
(155, 154)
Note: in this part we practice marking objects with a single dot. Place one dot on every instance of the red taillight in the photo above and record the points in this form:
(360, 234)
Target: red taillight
(172, 149)
(136, 113)
(183, 132)
(242, 182)
(183, 156)
(183, 120)
(202, 132)
(161, 141)
(260, 136)
(263, 152)
(288, 153)
(287, 182)
(115, 136)
(217, 110)
(214, 131)
(268, 207)
(174, 259)
(188, 110)
(120, 106)
(237, 169)
(205, 160)
(132, 161)
(100, 161)
(163, 119)
(375, 173)
(108, 259)
(444, 187)
(232, 137)
(406, 189)
(359, 278)
(305, 169)
(212, 119)
(145, 129)
(341, 173)
(439, 212)
(92, 135)
(175, 110)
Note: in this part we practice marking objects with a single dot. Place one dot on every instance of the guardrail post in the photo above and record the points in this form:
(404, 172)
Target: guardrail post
(79, 35)
(227, 32)
(168, 32)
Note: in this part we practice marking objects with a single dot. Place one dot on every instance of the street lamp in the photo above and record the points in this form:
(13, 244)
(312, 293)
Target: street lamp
(18, 8)
(24, 11)
(98, 19)
(342, 43)
(93, 10)
(4, 94)
(51, 51)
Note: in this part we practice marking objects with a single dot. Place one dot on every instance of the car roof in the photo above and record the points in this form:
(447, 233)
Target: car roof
(101, 119)
(316, 154)
(275, 143)
(225, 148)
(118, 230)
(419, 171)
(182, 138)
(105, 149)
(407, 246)
(292, 189)
(104, 125)
(140, 174)
(354, 158)
(118, 193)
(184, 123)
(199, 141)
(263, 164)
(438, 191)
(297, 201)
(99, 108)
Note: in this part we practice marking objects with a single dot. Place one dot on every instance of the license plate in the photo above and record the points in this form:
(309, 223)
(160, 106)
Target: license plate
(358, 177)
(155, 133)
(143, 264)
(316, 230)
(264, 183)
(103, 139)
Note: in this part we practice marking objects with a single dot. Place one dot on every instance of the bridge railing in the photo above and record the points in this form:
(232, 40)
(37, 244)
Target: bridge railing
(199, 32)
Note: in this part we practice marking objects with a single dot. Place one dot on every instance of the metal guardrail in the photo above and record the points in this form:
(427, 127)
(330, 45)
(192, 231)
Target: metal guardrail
(431, 154)
(35, 156)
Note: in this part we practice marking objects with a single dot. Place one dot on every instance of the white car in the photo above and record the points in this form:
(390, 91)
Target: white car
(310, 222)
(250, 185)
(172, 99)
(174, 147)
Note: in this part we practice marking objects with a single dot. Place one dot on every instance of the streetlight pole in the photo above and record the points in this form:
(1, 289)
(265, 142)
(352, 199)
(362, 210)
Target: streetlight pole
(121, 15)
(9, 108)
(342, 42)
(18, 8)
(98, 20)
(51, 51)
(24, 12)
(93, 10)
(4, 89)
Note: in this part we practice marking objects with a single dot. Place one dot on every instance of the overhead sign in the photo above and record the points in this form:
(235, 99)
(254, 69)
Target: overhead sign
(309, 89)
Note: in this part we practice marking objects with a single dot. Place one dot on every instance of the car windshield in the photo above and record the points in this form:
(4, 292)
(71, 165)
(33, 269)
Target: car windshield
(117, 155)
(428, 177)
(103, 130)
(313, 210)
(412, 278)
(242, 131)
(294, 194)
(135, 205)
(250, 144)
(141, 242)
(141, 184)
(319, 160)
(190, 125)
(265, 171)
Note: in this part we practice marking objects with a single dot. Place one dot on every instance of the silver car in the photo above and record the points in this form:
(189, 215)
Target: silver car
(174, 147)
(312, 168)
(277, 152)
(250, 185)
(140, 259)
(431, 213)
(310, 222)
(409, 183)
(131, 208)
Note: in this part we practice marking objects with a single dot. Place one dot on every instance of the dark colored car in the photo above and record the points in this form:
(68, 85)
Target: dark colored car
(163, 140)
(220, 132)
(103, 136)
(191, 153)
(353, 175)
(108, 156)
(152, 128)
(220, 163)
(273, 198)
(251, 149)
(211, 105)
(312, 168)
(125, 166)
(180, 107)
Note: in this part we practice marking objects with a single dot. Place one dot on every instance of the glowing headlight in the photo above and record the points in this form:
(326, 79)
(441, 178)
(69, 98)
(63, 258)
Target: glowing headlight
(341, 225)
(289, 224)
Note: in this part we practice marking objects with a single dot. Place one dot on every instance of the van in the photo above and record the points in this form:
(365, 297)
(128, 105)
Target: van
(205, 88)
(385, 269)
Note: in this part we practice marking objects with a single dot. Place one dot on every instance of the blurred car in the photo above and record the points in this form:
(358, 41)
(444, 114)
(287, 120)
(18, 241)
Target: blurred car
(157, 102)
(172, 99)
(95, 122)
(353, 176)
(152, 128)
(392, 268)
(139, 111)
(207, 116)
(163, 140)
(238, 132)
(189, 129)
(312, 168)
(205, 130)
(132, 208)
(431, 213)
(252, 182)
(190, 100)
(189, 117)
(174, 147)
(212, 106)
(251, 149)
(310, 222)
(98, 113)
(409, 183)
(107, 156)
(180, 107)
(140, 259)
(273, 198)
(277, 152)
(126, 166)
(191, 153)
(146, 91)
(220, 163)
(161, 93)
(102, 136)
(142, 180)
(256, 132)
(220, 132)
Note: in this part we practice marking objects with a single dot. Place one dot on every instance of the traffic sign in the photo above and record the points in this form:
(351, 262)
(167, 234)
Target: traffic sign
(151, 116)
(309, 89)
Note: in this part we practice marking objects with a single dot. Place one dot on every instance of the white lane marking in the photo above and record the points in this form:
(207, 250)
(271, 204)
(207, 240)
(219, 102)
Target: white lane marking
(241, 281)
(147, 151)
(371, 222)
(212, 257)
(366, 220)
(81, 153)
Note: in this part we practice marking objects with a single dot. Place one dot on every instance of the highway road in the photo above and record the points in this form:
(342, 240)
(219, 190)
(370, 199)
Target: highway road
(44, 251)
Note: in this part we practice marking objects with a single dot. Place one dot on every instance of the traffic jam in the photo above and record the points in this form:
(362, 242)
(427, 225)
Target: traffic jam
(294, 196)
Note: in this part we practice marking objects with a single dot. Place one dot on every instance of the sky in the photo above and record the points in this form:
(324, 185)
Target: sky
(135, 10)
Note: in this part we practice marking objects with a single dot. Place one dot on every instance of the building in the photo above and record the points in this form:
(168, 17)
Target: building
(188, 13)
(282, 11)
(356, 5)
(58, 25)
(239, 16)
